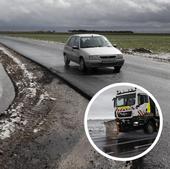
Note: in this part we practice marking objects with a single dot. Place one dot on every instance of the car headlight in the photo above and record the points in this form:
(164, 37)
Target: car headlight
(119, 56)
(94, 57)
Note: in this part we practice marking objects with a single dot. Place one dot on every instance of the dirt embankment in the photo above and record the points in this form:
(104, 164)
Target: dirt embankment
(43, 127)
(29, 94)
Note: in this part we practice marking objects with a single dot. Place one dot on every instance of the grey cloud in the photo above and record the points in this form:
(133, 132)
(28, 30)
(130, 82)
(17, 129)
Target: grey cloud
(86, 13)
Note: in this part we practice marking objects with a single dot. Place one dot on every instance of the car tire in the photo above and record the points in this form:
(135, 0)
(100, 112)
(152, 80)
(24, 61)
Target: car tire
(149, 128)
(82, 66)
(66, 60)
(117, 69)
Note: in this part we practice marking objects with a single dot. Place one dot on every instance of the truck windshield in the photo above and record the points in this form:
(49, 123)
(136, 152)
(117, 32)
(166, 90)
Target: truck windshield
(94, 41)
(125, 100)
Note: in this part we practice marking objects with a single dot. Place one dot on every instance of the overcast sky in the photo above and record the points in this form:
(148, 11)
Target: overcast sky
(139, 15)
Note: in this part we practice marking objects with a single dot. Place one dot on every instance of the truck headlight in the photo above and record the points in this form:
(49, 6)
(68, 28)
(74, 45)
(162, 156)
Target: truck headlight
(94, 57)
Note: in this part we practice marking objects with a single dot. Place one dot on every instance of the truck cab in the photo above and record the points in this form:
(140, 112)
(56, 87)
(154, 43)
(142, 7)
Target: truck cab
(135, 110)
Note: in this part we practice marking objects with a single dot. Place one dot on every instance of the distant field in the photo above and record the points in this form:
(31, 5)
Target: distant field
(155, 42)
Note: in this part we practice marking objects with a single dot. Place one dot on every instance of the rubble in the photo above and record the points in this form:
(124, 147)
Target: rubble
(142, 50)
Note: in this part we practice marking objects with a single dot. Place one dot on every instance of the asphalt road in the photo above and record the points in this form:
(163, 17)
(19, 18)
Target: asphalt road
(7, 92)
(125, 145)
(152, 75)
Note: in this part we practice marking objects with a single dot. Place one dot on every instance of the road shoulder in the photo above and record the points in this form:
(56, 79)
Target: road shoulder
(7, 91)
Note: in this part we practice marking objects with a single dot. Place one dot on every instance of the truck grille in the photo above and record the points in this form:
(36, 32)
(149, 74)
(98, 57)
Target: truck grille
(124, 114)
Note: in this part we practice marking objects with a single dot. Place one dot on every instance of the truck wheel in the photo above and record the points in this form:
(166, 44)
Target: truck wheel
(149, 128)
(82, 66)
(66, 60)
(117, 69)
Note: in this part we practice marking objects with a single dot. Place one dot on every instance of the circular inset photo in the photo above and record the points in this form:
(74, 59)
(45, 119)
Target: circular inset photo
(123, 121)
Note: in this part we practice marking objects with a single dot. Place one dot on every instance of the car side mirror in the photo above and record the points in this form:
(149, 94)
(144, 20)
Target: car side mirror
(115, 45)
(137, 106)
(75, 47)
(114, 100)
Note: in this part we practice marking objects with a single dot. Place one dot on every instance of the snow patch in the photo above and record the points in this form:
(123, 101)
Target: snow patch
(26, 73)
(8, 126)
(15, 119)
(45, 96)
(35, 130)
(38, 127)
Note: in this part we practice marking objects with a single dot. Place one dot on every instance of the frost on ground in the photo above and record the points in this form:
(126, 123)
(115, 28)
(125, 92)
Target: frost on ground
(27, 88)
(161, 57)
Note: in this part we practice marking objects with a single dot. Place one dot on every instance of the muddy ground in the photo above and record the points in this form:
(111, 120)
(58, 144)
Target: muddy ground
(43, 127)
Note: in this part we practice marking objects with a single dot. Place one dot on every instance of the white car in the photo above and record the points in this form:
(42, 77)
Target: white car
(92, 50)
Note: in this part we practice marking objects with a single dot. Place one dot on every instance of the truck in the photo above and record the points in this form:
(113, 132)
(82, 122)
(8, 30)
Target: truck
(134, 110)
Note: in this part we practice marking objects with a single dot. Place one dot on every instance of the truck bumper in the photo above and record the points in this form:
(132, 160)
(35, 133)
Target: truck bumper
(131, 123)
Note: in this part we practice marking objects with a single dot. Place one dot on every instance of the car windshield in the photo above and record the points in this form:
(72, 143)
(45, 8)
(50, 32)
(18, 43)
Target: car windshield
(94, 41)
(125, 100)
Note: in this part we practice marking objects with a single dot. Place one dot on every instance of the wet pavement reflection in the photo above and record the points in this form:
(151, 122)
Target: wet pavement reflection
(126, 144)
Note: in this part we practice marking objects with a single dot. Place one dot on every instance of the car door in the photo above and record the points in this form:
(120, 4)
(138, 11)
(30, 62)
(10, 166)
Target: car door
(76, 49)
(68, 48)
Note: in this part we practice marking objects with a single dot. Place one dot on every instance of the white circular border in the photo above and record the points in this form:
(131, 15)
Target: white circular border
(117, 158)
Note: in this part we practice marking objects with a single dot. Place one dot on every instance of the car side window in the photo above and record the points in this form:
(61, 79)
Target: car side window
(76, 41)
(71, 41)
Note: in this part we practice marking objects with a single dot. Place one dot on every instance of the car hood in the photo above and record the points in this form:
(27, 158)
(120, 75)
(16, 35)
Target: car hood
(101, 51)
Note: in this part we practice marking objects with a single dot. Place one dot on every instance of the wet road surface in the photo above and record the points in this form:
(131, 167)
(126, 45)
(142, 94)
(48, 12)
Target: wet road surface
(7, 92)
(125, 145)
(152, 75)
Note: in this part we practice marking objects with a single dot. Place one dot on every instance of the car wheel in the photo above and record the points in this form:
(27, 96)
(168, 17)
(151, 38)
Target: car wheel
(117, 68)
(82, 65)
(149, 128)
(66, 60)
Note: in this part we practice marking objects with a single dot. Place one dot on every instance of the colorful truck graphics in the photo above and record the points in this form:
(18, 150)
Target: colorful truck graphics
(135, 110)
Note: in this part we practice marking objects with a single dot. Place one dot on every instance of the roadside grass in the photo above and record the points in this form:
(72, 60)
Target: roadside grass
(155, 42)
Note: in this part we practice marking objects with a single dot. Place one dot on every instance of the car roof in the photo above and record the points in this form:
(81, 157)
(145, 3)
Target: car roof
(86, 35)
